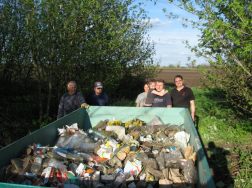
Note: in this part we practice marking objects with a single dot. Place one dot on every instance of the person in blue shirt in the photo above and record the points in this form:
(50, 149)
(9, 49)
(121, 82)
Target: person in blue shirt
(98, 97)
(71, 101)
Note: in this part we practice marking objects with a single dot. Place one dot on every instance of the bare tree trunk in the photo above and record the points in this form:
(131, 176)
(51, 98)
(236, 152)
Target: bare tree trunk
(49, 93)
(39, 86)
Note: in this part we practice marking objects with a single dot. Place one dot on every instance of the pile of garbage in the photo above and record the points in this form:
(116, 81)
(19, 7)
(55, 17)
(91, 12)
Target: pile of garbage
(111, 154)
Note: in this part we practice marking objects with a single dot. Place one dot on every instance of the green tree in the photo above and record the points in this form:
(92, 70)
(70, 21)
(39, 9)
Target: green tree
(225, 42)
(51, 42)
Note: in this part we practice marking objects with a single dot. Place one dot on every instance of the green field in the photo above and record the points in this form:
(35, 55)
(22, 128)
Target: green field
(226, 136)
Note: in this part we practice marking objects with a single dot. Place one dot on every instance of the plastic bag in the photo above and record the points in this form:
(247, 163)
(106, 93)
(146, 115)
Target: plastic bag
(130, 158)
(156, 121)
(74, 140)
(161, 161)
(152, 129)
(171, 130)
(190, 172)
(138, 130)
(173, 156)
(21, 165)
(151, 167)
(119, 130)
(115, 162)
(120, 180)
(182, 138)
(101, 125)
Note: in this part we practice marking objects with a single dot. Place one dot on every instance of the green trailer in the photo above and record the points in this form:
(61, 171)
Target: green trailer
(87, 118)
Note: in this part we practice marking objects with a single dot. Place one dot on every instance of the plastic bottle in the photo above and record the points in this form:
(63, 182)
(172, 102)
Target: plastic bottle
(86, 157)
(74, 140)
(87, 147)
(99, 134)
(66, 154)
(36, 164)
(96, 178)
(142, 156)
(55, 163)
(61, 141)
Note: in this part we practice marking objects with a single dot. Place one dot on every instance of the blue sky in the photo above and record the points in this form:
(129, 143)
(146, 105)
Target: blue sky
(168, 34)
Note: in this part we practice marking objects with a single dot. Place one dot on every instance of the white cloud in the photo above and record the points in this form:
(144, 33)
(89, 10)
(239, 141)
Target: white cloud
(185, 53)
(157, 23)
(162, 42)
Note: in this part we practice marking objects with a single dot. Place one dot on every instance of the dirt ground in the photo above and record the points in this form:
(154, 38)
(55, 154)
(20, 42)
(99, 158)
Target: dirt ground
(191, 76)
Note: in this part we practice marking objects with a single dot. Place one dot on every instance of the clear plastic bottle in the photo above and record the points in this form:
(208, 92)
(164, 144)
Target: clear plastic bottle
(99, 134)
(142, 156)
(36, 164)
(86, 157)
(96, 178)
(87, 147)
(67, 155)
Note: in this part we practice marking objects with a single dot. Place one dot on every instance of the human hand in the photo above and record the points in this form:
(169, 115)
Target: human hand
(85, 105)
(192, 115)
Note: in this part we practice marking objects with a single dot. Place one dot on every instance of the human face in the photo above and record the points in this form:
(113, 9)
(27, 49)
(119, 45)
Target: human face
(98, 91)
(152, 85)
(159, 86)
(72, 88)
(179, 82)
(146, 88)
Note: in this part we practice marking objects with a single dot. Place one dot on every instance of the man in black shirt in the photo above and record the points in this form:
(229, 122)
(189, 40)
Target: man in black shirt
(182, 96)
(98, 97)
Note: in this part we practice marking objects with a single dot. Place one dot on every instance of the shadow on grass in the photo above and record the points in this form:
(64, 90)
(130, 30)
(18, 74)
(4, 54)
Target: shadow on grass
(218, 164)
(217, 160)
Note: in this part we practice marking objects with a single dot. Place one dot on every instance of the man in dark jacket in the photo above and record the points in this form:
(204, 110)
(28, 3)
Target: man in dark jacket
(71, 100)
(97, 97)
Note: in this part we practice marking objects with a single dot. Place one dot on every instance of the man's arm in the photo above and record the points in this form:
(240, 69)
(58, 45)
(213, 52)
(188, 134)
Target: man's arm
(192, 109)
(137, 104)
(168, 101)
(161, 93)
(82, 100)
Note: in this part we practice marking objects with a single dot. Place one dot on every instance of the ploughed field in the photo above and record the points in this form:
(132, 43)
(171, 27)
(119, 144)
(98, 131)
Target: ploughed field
(191, 76)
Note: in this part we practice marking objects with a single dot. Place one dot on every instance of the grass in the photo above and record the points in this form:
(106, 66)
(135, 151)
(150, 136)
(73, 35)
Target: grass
(226, 136)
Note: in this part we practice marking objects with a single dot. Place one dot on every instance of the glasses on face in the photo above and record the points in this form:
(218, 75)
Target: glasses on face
(98, 88)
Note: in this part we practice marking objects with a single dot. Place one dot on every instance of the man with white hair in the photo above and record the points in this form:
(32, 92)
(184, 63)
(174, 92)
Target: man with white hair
(71, 100)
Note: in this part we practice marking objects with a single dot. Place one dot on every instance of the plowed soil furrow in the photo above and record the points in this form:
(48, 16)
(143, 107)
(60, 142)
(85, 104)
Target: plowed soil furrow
(191, 76)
